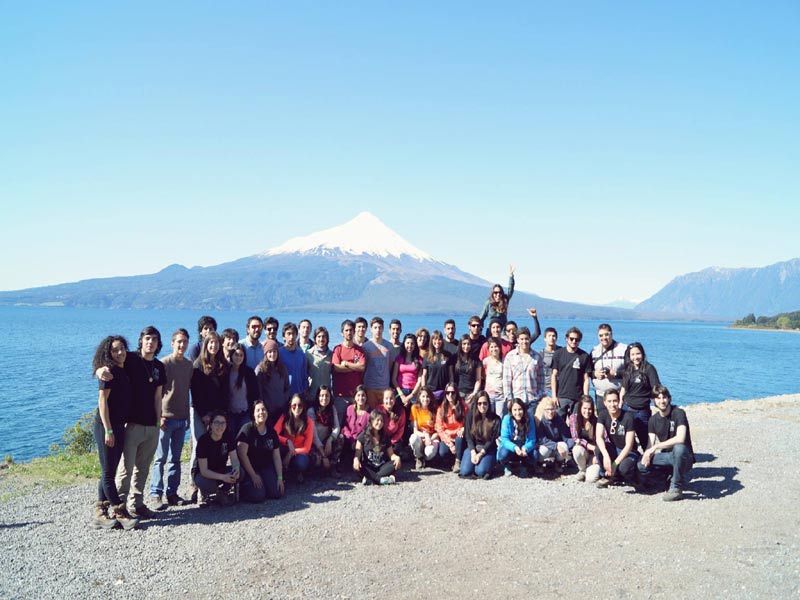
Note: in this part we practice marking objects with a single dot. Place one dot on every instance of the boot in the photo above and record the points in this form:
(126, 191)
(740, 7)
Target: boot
(124, 518)
(101, 520)
(457, 465)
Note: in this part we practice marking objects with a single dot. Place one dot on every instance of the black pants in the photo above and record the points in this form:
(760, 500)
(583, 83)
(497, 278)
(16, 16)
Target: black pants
(109, 460)
(374, 474)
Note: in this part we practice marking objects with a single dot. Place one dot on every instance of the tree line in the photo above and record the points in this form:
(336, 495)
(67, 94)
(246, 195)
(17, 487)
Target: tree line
(789, 320)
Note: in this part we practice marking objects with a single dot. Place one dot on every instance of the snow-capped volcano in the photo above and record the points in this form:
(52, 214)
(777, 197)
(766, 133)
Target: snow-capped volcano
(364, 234)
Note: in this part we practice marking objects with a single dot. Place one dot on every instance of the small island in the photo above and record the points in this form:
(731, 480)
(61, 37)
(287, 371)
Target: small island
(784, 321)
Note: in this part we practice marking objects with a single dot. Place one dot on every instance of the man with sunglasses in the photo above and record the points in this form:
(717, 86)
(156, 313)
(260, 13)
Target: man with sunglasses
(608, 361)
(475, 337)
(571, 370)
(616, 444)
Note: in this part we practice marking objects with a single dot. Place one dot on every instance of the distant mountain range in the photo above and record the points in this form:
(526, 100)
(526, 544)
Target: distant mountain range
(729, 293)
(359, 266)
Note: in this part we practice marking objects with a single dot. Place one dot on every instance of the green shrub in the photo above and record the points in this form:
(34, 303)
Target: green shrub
(78, 439)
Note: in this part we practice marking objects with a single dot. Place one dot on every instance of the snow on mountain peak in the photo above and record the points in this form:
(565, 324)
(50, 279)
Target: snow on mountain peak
(364, 234)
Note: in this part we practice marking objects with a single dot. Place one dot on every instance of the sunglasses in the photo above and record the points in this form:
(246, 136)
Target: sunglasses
(574, 339)
(297, 406)
(474, 324)
(483, 404)
(219, 422)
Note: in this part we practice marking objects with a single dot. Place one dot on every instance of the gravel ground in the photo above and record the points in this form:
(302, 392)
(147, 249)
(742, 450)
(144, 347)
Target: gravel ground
(734, 534)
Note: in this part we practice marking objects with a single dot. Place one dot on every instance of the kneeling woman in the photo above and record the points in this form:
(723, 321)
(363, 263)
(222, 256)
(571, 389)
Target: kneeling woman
(211, 474)
(296, 434)
(375, 460)
(481, 430)
(424, 440)
(517, 439)
(327, 432)
(450, 426)
(552, 434)
(259, 453)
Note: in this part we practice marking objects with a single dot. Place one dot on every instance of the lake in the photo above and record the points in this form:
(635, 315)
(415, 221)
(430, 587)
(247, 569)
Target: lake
(46, 355)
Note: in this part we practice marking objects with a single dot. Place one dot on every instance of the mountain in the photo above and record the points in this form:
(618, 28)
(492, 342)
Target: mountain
(360, 266)
(730, 293)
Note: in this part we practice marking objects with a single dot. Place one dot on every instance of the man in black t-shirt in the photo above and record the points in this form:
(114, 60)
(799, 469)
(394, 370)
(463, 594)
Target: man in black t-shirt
(618, 455)
(572, 368)
(670, 443)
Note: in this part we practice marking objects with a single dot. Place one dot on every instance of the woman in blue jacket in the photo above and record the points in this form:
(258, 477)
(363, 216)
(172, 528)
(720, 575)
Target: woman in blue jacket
(517, 440)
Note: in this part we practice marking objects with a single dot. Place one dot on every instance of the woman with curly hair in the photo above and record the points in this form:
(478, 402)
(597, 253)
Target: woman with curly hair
(109, 432)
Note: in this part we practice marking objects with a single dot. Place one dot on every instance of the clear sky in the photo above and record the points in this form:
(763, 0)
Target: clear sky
(604, 148)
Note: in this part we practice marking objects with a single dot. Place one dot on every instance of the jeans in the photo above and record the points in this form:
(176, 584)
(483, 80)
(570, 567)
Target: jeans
(237, 421)
(627, 468)
(109, 460)
(198, 428)
(640, 419)
(444, 450)
(299, 463)
(506, 456)
(679, 460)
(250, 493)
(340, 403)
(482, 469)
(210, 486)
(170, 445)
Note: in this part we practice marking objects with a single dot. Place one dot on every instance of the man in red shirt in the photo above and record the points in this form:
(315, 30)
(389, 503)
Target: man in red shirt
(349, 363)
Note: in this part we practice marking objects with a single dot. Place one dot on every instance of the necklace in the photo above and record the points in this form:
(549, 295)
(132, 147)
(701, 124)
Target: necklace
(149, 371)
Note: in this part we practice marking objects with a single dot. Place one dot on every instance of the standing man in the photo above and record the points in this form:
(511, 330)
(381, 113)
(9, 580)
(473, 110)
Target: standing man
(205, 325)
(608, 361)
(571, 370)
(550, 347)
(230, 337)
(361, 332)
(294, 359)
(271, 327)
(174, 423)
(253, 351)
(147, 378)
(304, 340)
(378, 372)
(395, 331)
(670, 444)
(475, 337)
(510, 333)
(450, 341)
(523, 374)
(348, 369)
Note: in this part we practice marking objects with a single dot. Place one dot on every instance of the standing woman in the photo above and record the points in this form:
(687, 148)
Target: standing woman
(259, 453)
(450, 426)
(437, 368)
(273, 382)
(318, 363)
(296, 434)
(467, 370)
(493, 376)
(496, 306)
(209, 389)
(109, 432)
(423, 341)
(407, 371)
(582, 428)
(242, 390)
(638, 380)
(481, 430)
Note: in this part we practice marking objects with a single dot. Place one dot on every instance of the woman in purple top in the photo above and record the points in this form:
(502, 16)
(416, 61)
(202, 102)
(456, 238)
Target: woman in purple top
(356, 418)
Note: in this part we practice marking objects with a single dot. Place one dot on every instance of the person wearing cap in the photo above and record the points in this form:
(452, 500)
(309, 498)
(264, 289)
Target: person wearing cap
(273, 382)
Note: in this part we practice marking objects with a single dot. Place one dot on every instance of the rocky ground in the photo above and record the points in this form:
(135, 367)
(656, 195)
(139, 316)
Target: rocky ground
(735, 533)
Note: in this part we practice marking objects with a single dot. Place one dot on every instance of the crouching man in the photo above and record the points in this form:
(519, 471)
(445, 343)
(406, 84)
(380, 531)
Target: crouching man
(669, 444)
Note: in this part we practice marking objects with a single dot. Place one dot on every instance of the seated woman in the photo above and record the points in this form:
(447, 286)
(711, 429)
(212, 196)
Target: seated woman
(375, 460)
(327, 433)
(517, 440)
(481, 430)
(356, 419)
(424, 440)
(259, 453)
(552, 434)
(212, 475)
(582, 428)
(394, 419)
(296, 434)
(450, 426)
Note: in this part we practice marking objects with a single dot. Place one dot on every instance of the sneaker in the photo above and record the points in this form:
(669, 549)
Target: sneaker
(101, 519)
(387, 480)
(672, 495)
(157, 502)
(366, 481)
(457, 465)
(418, 464)
(202, 499)
(507, 472)
(559, 467)
(225, 499)
(142, 512)
(523, 473)
(580, 476)
(487, 476)
(175, 500)
(123, 517)
(602, 483)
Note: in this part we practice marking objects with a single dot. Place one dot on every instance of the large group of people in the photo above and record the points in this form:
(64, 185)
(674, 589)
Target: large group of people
(260, 410)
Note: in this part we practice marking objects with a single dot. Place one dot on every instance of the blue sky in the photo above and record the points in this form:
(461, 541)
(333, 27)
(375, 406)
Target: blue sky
(603, 148)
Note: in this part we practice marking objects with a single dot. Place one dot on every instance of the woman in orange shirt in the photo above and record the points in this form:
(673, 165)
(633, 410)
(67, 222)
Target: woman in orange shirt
(296, 433)
(450, 425)
(424, 440)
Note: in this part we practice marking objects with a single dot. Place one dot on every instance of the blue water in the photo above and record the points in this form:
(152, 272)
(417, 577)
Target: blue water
(46, 355)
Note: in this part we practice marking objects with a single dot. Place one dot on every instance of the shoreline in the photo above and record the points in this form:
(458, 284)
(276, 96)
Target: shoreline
(435, 534)
(740, 327)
